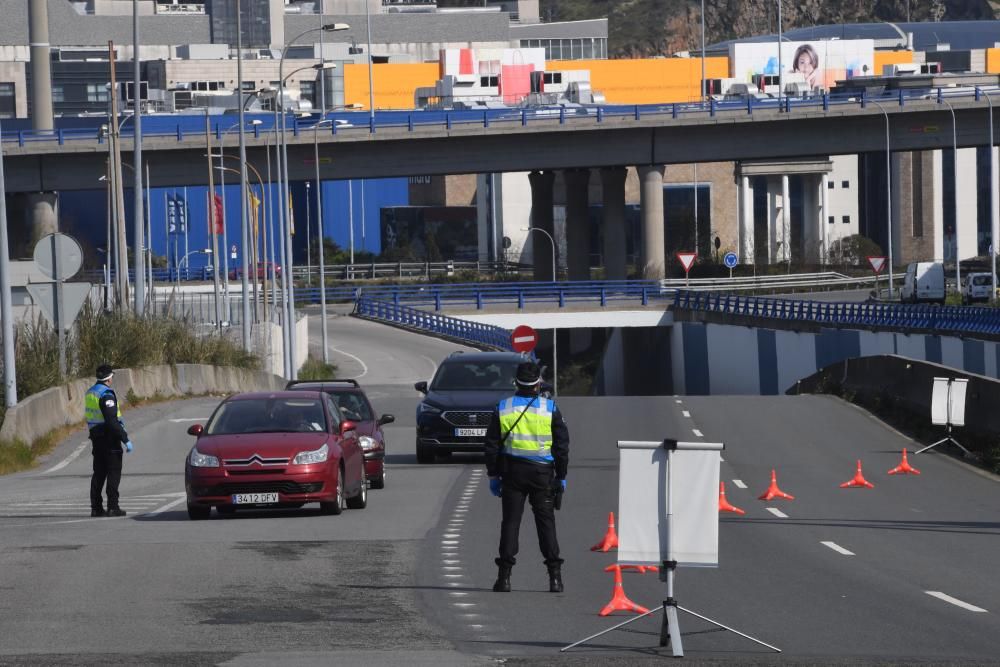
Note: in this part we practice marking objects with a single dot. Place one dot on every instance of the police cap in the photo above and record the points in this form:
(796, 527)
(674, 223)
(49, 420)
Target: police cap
(528, 373)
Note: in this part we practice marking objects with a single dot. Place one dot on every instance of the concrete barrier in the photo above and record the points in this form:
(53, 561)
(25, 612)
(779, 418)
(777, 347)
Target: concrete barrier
(53, 408)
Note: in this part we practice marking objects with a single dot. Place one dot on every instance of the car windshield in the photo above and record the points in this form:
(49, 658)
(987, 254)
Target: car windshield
(268, 415)
(474, 375)
(982, 280)
(353, 405)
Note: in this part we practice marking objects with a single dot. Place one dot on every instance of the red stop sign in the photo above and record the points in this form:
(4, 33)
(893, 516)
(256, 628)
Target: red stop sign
(523, 339)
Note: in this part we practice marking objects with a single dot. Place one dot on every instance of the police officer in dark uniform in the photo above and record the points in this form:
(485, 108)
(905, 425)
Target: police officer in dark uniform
(527, 456)
(107, 437)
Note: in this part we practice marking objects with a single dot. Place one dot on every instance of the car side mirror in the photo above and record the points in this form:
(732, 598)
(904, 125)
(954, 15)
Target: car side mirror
(386, 419)
(195, 429)
(421, 386)
(347, 426)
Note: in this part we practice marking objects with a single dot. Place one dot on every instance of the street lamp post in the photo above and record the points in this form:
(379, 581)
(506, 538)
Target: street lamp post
(309, 265)
(6, 320)
(555, 330)
(322, 245)
(371, 78)
(888, 194)
(290, 294)
(244, 220)
(994, 201)
(206, 251)
(780, 71)
(138, 220)
(954, 151)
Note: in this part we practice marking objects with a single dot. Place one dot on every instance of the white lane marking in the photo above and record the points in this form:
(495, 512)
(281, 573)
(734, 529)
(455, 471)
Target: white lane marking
(776, 512)
(955, 601)
(188, 419)
(452, 562)
(738, 483)
(454, 576)
(475, 626)
(433, 364)
(677, 400)
(69, 459)
(463, 605)
(364, 367)
(52, 523)
(164, 508)
(453, 583)
(452, 536)
(698, 433)
(449, 542)
(686, 413)
(839, 549)
(452, 568)
(458, 594)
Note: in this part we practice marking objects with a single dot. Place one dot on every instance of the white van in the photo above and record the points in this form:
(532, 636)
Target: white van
(924, 281)
(976, 287)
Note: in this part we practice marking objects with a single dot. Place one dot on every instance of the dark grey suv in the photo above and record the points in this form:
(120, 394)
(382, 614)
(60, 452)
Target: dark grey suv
(458, 402)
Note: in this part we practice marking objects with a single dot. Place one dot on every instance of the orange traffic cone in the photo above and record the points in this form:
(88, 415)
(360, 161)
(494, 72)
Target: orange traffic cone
(619, 602)
(904, 467)
(610, 540)
(773, 491)
(641, 569)
(724, 505)
(858, 481)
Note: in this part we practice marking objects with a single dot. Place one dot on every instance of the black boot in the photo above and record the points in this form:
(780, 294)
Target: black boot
(502, 584)
(555, 579)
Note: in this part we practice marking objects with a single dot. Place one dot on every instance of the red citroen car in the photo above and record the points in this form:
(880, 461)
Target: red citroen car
(280, 449)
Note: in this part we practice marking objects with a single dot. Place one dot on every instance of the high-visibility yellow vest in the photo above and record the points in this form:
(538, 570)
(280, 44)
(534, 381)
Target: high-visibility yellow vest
(529, 436)
(92, 405)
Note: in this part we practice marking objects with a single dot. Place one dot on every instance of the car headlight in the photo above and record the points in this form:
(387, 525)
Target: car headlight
(428, 409)
(315, 456)
(199, 460)
(367, 443)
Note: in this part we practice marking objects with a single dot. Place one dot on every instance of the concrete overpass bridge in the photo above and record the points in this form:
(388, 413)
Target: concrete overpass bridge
(420, 143)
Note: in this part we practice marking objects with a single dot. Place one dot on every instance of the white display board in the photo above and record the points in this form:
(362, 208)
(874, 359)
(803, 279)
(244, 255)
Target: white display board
(956, 401)
(668, 503)
(939, 402)
(948, 401)
(821, 62)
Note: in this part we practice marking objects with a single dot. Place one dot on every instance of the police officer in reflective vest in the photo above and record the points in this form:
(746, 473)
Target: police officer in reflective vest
(527, 455)
(107, 436)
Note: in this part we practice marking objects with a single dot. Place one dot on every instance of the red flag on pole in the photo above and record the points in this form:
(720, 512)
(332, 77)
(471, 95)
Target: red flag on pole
(219, 222)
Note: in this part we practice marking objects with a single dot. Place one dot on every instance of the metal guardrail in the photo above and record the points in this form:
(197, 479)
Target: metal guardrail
(375, 270)
(442, 325)
(193, 126)
(825, 280)
(957, 319)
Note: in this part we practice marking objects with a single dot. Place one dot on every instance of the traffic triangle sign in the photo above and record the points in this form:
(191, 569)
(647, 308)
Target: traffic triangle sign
(878, 263)
(44, 296)
(687, 259)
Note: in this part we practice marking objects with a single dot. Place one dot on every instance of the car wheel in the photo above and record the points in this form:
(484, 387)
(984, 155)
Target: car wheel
(359, 501)
(425, 453)
(379, 482)
(197, 512)
(337, 506)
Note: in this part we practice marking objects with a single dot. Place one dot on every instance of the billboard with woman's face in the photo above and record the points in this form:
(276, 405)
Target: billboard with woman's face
(821, 63)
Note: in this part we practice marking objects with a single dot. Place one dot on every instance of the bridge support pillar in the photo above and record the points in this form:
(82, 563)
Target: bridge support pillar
(746, 221)
(651, 205)
(824, 225)
(42, 216)
(577, 223)
(542, 218)
(613, 222)
(784, 233)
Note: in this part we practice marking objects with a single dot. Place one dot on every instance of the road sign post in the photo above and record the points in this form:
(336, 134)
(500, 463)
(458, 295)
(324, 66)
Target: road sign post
(878, 265)
(687, 261)
(59, 257)
(730, 260)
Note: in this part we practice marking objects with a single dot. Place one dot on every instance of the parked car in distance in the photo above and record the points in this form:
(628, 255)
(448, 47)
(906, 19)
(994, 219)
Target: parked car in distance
(459, 401)
(264, 270)
(976, 287)
(923, 282)
(353, 403)
(271, 450)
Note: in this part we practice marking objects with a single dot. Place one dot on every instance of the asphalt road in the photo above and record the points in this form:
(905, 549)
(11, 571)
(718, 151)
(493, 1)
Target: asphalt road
(407, 580)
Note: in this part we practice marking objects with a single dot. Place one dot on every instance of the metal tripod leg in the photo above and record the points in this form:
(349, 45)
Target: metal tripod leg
(670, 631)
(726, 627)
(604, 632)
(946, 439)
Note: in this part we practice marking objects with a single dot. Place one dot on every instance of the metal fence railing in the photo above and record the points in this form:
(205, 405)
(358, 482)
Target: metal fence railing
(955, 319)
(429, 322)
(826, 280)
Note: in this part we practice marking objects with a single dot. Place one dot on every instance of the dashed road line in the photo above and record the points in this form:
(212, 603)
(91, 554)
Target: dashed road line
(698, 433)
(69, 459)
(776, 512)
(164, 508)
(955, 601)
(364, 367)
(686, 413)
(738, 483)
(839, 549)
(188, 419)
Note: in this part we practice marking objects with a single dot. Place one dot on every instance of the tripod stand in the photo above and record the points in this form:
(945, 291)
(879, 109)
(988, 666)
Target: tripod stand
(947, 438)
(670, 629)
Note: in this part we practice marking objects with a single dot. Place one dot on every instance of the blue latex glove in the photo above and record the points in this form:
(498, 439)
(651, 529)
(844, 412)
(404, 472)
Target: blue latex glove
(563, 482)
(496, 486)
(128, 446)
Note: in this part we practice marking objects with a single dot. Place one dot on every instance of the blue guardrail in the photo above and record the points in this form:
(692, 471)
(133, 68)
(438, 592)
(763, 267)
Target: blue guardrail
(452, 327)
(954, 319)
